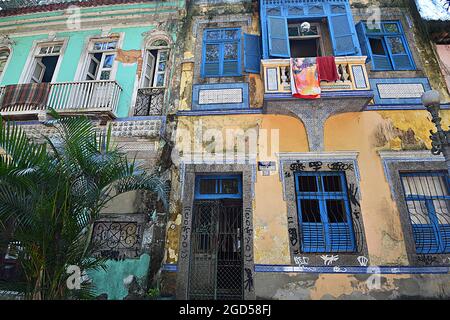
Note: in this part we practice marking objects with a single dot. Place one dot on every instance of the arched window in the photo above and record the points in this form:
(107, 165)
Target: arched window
(4, 55)
(155, 64)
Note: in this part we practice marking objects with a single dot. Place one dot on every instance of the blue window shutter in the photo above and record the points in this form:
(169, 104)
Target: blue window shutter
(252, 53)
(278, 37)
(426, 238)
(343, 35)
(380, 61)
(362, 38)
(340, 237)
(313, 237)
(210, 68)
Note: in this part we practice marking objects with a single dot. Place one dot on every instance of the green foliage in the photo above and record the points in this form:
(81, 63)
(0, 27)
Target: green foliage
(153, 293)
(53, 192)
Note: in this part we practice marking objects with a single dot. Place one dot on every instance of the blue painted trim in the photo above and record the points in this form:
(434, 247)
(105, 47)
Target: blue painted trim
(221, 43)
(323, 95)
(384, 36)
(413, 101)
(352, 269)
(218, 112)
(438, 244)
(218, 185)
(140, 118)
(170, 267)
(324, 232)
(342, 269)
(326, 13)
(220, 106)
(376, 107)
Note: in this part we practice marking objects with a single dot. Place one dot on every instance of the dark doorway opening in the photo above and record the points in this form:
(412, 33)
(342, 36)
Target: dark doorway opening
(216, 260)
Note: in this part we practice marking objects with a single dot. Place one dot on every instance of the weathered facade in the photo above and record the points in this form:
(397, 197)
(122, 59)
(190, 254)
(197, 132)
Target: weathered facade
(338, 197)
(114, 61)
(272, 196)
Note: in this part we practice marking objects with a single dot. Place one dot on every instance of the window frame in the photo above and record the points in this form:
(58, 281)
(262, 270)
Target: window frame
(218, 195)
(35, 54)
(384, 35)
(431, 210)
(156, 62)
(6, 49)
(221, 42)
(91, 51)
(322, 196)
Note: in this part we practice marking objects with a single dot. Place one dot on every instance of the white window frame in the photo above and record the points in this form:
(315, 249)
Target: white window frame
(105, 52)
(31, 62)
(155, 71)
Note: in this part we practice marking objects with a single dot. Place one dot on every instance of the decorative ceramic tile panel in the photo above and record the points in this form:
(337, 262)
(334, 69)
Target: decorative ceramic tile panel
(220, 96)
(214, 96)
(395, 92)
(358, 75)
(400, 90)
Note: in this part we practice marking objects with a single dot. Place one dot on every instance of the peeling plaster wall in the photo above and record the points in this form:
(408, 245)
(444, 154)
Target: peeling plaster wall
(364, 132)
(111, 281)
(292, 286)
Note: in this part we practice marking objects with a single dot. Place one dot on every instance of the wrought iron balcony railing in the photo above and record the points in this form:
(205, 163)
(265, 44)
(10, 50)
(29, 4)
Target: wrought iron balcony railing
(68, 97)
(149, 102)
(351, 71)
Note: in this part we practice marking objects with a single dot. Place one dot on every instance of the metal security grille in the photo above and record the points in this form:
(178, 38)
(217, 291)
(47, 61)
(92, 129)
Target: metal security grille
(428, 201)
(216, 263)
(324, 213)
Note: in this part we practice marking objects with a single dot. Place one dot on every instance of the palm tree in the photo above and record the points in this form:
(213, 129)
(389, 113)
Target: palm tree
(54, 191)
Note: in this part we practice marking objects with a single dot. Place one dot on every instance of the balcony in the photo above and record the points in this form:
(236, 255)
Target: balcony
(351, 71)
(96, 98)
(350, 93)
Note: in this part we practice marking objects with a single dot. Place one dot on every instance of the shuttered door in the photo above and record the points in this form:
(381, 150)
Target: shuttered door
(400, 59)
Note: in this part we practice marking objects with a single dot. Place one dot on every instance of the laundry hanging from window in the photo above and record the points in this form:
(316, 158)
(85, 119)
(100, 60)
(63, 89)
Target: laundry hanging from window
(304, 78)
(326, 69)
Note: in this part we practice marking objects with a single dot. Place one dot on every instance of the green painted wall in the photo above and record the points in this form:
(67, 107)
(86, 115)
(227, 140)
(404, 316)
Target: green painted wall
(20, 51)
(111, 280)
(74, 49)
(126, 73)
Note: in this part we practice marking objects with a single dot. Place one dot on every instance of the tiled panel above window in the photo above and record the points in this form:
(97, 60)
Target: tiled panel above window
(399, 91)
(222, 96)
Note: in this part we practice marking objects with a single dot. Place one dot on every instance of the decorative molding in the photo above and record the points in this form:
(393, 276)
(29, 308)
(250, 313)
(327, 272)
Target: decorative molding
(199, 158)
(218, 112)
(138, 128)
(388, 156)
(352, 269)
(221, 19)
(315, 156)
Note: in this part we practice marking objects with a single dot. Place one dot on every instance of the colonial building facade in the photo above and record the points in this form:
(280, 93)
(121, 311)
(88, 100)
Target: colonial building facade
(115, 62)
(279, 197)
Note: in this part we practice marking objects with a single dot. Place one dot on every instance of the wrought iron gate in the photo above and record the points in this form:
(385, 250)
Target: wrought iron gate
(216, 262)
